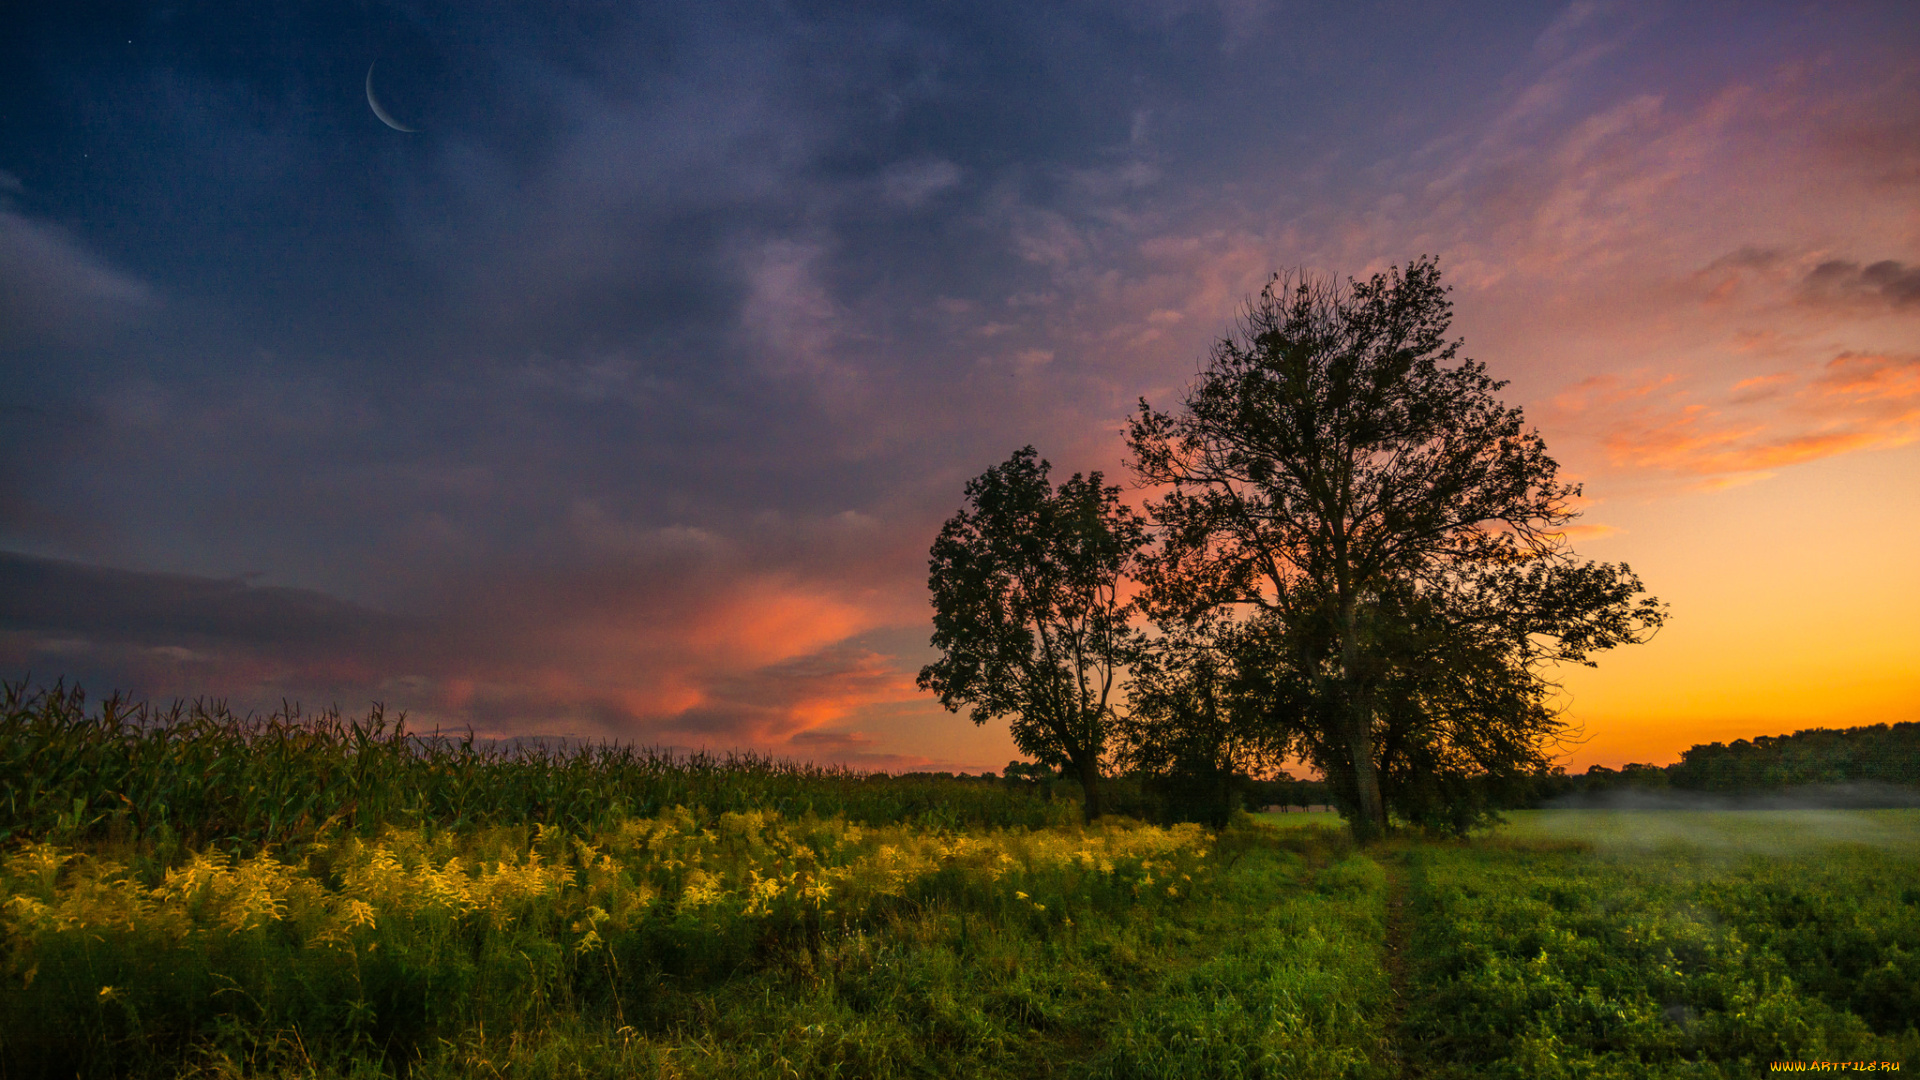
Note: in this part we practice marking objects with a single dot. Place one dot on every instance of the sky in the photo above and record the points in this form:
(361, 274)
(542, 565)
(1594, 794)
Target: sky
(622, 398)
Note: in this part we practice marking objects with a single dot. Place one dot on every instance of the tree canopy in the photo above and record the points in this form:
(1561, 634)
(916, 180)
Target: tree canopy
(1344, 478)
(1875, 753)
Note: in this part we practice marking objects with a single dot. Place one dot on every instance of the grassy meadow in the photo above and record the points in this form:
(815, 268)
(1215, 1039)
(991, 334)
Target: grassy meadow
(196, 894)
(1665, 943)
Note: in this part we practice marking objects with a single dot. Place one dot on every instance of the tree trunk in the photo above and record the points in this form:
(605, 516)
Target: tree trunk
(1371, 820)
(1090, 786)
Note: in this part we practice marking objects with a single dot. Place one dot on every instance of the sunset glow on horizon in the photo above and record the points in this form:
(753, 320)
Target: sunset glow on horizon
(624, 398)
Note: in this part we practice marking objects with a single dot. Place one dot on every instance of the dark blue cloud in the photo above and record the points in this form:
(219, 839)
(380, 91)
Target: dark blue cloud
(53, 596)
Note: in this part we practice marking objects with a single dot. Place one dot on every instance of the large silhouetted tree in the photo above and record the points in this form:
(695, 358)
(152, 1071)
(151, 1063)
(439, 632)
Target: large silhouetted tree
(1340, 470)
(1026, 584)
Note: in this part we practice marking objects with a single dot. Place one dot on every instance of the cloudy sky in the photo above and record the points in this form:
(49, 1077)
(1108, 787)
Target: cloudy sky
(623, 397)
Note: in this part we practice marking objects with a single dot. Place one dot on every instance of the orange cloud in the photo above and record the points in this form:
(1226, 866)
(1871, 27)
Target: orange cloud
(765, 621)
(1853, 402)
(1576, 533)
(1599, 392)
(754, 663)
(1871, 377)
(1761, 386)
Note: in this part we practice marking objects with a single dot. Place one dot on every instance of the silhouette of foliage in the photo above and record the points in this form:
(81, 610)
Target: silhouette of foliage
(1028, 615)
(1195, 731)
(1351, 484)
(1881, 753)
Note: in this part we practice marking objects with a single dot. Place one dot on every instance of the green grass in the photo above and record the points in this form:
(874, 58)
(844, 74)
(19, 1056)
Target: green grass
(203, 895)
(1298, 820)
(1733, 832)
(1662, 943)
(659, 949)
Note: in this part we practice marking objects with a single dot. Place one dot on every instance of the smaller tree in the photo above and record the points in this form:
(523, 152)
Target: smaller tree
(1028, 615)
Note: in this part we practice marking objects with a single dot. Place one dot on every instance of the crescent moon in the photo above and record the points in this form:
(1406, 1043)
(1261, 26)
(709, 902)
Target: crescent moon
(380, 111)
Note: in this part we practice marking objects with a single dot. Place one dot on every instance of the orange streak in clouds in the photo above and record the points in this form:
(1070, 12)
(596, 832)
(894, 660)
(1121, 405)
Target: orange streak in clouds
(766, 622)
(1871, 377)
(1853, 402)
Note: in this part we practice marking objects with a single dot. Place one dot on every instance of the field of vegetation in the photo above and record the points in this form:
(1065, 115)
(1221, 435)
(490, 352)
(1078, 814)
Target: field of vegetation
(197, 894)
(1667, 943)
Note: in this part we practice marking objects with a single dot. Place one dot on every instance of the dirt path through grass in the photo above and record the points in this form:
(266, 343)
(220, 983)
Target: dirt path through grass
(1398, 950)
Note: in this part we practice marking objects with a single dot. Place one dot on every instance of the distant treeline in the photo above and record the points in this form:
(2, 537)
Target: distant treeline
(1876, 754)
(1809, 764)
